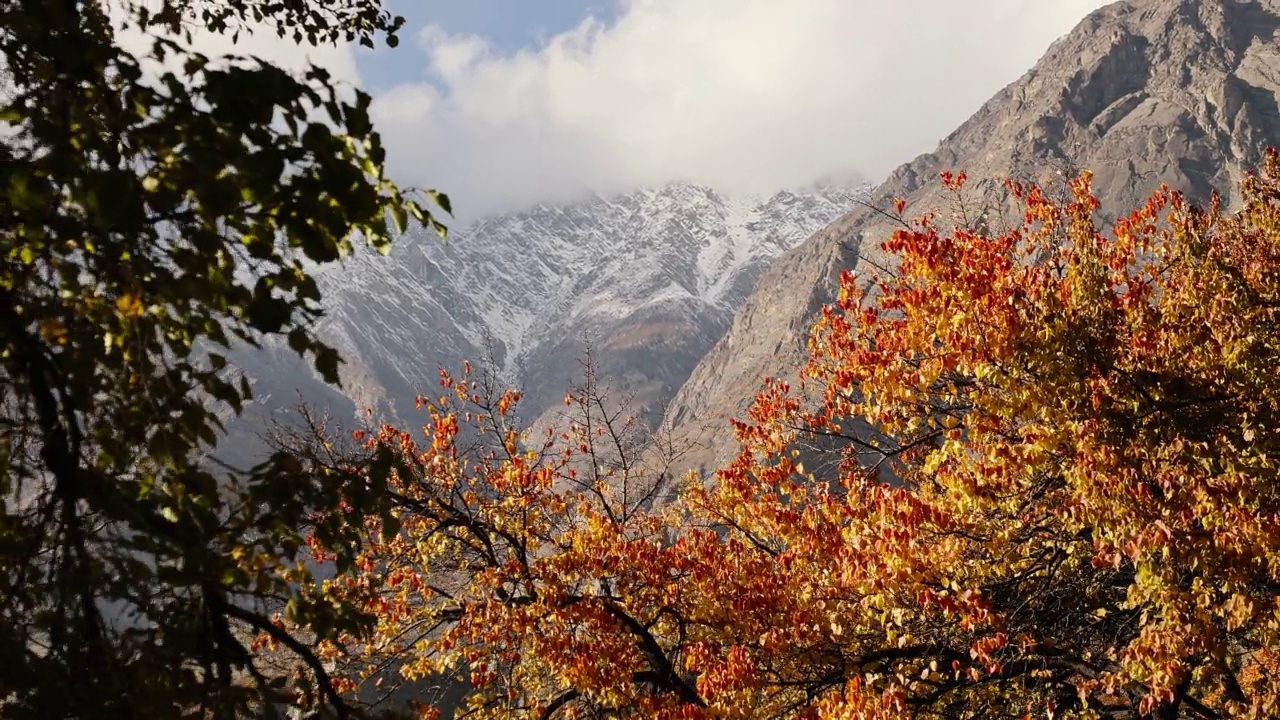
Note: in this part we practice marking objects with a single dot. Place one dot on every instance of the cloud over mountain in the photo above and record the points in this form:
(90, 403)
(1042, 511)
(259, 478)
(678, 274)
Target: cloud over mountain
(746, 96)
(743, 95)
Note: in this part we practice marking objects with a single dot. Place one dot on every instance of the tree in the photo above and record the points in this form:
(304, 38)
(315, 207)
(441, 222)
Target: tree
(150, 221)
(478, 502)
(1067, 508)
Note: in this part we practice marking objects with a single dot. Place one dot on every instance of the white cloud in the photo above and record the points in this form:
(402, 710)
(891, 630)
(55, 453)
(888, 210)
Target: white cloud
(744, 95)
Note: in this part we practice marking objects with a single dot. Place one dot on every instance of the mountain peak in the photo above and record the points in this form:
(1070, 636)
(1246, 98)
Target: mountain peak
(1140, 92)
(650, 278)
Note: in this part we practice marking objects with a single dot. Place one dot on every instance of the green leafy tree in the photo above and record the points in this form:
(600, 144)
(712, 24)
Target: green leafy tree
(151, 220)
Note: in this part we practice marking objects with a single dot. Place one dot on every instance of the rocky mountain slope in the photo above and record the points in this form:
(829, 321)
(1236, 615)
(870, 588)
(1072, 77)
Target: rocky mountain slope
(649, 280)
(1185, 92)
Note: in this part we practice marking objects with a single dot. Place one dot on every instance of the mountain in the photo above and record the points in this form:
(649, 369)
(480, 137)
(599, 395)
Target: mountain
(649, 280)
(1141, 92)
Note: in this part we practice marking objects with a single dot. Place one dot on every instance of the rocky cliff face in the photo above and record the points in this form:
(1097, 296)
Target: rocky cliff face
(1141, 92)
(649, 280)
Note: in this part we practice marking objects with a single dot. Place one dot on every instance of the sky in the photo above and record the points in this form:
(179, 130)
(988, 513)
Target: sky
(503, 104)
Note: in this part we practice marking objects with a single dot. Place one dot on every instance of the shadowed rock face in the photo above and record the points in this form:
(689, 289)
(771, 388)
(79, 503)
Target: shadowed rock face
(1141, 92)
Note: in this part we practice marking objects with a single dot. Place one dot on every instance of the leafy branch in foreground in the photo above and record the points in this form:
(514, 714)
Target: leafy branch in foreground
(150, 221)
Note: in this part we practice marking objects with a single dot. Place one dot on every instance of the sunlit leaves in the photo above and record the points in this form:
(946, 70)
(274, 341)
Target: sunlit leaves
(1055, 496)
(1100, 399)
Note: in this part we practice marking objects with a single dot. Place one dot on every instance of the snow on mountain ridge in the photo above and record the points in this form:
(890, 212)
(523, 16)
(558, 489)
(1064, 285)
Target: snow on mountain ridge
(519, 284)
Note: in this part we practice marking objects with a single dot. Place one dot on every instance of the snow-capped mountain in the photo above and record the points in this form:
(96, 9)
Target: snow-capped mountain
(650, 280)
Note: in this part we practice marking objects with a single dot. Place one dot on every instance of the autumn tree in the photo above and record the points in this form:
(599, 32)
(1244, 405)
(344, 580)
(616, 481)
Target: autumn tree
(1080, 425)
(158, 208)
(478, 500)
(1056, 497)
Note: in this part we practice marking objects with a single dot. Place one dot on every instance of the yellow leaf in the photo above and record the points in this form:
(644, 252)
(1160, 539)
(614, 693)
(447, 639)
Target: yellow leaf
(130, 305)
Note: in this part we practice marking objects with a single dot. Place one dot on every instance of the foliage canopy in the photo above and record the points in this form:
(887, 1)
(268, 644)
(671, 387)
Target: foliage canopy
(152, 219)
(1067, 506)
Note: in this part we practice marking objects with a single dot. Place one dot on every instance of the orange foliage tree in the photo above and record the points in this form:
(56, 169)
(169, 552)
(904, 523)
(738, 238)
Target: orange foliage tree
(1057, 497)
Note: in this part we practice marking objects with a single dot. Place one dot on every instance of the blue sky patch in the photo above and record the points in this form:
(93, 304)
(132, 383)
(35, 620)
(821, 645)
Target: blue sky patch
(508, 25)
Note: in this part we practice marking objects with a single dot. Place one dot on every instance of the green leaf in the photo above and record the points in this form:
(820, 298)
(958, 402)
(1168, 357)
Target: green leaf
(326, 363)
(299, 341)
(442, 200)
